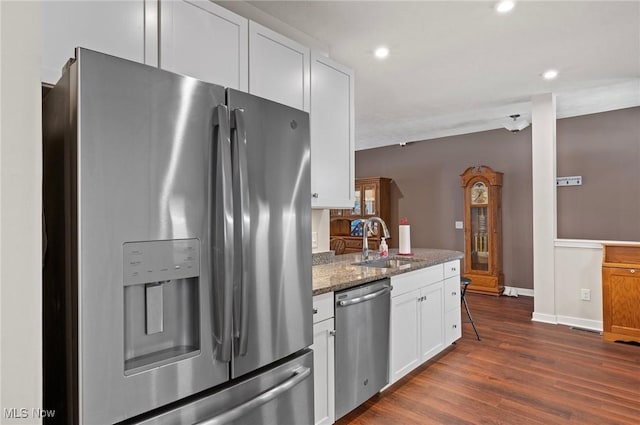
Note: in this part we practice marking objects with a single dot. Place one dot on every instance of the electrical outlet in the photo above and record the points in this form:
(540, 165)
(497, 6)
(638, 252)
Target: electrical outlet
(585, 294)
(314, 239)
(459, 225)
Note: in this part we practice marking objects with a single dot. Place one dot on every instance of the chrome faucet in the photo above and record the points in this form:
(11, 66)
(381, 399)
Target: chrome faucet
(366, 225)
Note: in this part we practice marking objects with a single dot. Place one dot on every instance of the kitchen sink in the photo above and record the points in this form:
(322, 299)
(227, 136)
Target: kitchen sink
(387, 263)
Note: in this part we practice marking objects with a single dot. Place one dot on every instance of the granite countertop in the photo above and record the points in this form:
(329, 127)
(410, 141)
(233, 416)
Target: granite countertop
(340, 273)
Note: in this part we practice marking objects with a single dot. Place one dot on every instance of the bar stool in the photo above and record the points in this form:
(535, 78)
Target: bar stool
(464, 282)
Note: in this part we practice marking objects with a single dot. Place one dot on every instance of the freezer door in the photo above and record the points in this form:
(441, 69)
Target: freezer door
(148, 331)
(272, 217)
(282, 395)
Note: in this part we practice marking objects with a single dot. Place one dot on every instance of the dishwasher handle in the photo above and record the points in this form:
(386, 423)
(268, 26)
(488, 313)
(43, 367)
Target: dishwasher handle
(364, 298)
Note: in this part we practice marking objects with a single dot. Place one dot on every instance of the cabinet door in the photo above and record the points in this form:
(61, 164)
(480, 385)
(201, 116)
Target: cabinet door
(620, 299)
(431, 321)
(332, 134)
(357, 201)
(452, 293)
(452, 326)
(370, 201)
(118, 28)
(404, 352)
(205, 41)
(279, 67)
(323, 372)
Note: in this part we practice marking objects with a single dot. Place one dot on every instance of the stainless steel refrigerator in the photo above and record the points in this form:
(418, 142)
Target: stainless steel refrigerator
(177, 275)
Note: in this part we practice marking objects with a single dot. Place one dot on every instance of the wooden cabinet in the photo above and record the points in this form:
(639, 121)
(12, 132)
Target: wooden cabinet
(279, 67)
(483, 229)
(621, 292)
(127, 29)
(372, 198)
(323, 359)
(332, 134)
(200, 39)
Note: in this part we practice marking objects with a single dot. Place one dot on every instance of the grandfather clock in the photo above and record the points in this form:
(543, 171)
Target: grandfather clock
(483, 229)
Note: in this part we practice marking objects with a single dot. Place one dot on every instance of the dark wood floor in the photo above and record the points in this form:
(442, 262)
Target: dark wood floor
(521, 372)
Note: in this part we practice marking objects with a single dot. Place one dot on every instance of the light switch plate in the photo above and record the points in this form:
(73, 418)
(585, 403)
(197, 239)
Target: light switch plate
(459, 225)
(314, 239)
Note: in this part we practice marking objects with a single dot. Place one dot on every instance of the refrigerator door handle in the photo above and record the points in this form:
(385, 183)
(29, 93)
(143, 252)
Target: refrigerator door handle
(222, 248)
(242, 229)
(299, 374)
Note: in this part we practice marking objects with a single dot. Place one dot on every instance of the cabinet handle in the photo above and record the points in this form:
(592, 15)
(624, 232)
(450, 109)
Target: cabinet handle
(332, 332)
(315, 195)
(455, 326)
(453, 269)
(632, 270)
(315, 310)
(454, 293)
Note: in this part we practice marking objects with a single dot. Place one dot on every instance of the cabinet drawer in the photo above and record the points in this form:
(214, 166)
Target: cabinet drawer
(322, 307)
(452, 268)
(353, 243)
(452, 293)
(411, 281)
(452, 326)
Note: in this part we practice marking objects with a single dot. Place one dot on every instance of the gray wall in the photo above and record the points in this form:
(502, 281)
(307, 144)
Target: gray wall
(426, 189)
(605, 150)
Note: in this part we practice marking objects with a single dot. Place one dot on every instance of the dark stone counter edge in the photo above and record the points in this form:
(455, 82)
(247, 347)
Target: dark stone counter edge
(417, 264)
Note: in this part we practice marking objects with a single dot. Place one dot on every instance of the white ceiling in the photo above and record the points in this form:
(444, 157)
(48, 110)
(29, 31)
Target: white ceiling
(458, 67)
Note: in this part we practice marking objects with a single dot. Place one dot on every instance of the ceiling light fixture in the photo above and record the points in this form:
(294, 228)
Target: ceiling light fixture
(381, 52)
(515, 123)
(504, 6)
(550, 74)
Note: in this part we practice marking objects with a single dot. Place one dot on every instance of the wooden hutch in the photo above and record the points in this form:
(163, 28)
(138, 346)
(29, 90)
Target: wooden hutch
(372, 198)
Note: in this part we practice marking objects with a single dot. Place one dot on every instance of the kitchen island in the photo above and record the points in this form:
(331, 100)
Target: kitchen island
(424, 316)
(342, 272)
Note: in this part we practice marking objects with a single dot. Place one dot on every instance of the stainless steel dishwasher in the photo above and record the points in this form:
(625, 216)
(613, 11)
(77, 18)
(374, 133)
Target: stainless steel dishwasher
(362, 344)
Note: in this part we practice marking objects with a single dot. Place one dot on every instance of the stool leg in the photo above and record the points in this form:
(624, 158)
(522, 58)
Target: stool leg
(464, 301)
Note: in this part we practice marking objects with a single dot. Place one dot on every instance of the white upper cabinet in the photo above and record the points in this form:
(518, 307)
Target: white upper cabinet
(279, 67)
(127, 29)
(332, 134)
(205, 41)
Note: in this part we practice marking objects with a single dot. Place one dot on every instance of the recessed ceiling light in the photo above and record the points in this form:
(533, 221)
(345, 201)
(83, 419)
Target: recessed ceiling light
(550, 74)
(381, 52)
(505, 6)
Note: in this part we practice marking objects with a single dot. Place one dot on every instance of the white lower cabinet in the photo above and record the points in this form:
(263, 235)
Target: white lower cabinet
(323, 359)
(425, 316)
(452, 318)
(404, 334)
(431, 321)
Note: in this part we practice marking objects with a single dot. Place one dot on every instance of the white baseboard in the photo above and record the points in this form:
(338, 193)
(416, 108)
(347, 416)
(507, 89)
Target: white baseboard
(576, 322)
(525, 292)
(544, 318)
(594, 325)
